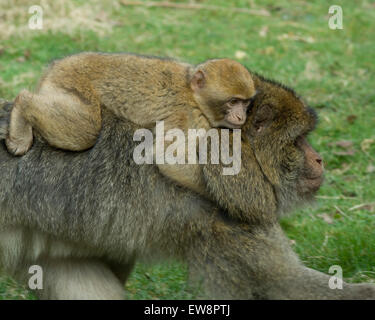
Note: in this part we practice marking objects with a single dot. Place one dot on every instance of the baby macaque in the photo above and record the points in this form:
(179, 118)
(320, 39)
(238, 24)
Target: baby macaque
(66, 108)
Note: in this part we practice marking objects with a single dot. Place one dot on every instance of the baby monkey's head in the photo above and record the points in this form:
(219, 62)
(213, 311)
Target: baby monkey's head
(223, 89)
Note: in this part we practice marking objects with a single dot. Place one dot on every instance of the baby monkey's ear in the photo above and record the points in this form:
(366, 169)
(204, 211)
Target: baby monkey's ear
(198, 80)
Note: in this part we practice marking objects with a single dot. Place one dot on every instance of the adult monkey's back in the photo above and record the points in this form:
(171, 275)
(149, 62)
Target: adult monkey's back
(85, 218)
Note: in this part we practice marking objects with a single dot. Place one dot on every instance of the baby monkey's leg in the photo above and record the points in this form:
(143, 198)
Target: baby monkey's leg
(187, 175)
(61, 118)
(20, 136)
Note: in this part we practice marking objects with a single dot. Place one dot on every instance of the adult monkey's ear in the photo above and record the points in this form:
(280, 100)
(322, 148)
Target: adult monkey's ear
(262, 118)
(198, 80)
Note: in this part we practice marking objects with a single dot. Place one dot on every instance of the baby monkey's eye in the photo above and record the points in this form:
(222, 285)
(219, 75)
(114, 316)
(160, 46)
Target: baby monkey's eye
(237, 102)
(234, 101)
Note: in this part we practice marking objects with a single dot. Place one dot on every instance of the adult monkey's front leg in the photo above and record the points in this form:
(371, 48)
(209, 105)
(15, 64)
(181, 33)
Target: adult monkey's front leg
(242, 262)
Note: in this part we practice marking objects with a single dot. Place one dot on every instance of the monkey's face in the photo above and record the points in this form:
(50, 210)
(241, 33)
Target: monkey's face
(234, 113)
(312, 175)
(278, 126)
(223, 89)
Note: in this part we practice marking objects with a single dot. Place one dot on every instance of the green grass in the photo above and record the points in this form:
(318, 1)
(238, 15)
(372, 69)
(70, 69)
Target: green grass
(332, 69)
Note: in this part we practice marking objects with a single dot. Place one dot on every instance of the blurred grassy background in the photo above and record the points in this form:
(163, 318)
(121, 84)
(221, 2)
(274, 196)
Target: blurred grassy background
(289, 41)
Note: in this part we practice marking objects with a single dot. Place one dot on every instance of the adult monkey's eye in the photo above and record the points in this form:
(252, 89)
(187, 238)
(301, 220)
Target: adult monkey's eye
(299, 140)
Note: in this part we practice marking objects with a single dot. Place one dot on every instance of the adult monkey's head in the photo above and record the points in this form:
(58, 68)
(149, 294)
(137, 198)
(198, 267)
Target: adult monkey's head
(277, 127)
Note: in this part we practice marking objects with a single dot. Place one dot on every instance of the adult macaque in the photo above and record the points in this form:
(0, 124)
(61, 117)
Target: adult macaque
(86, 217)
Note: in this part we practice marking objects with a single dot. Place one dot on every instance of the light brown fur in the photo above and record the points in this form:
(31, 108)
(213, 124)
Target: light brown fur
(66, 108)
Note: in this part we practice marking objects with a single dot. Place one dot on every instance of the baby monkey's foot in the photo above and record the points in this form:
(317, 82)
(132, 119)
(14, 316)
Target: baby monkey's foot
(20, 137)
(19, 146)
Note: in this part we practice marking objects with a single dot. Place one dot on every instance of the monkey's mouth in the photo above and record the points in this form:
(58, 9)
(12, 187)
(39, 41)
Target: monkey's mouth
(310, 185)
(315, 183)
